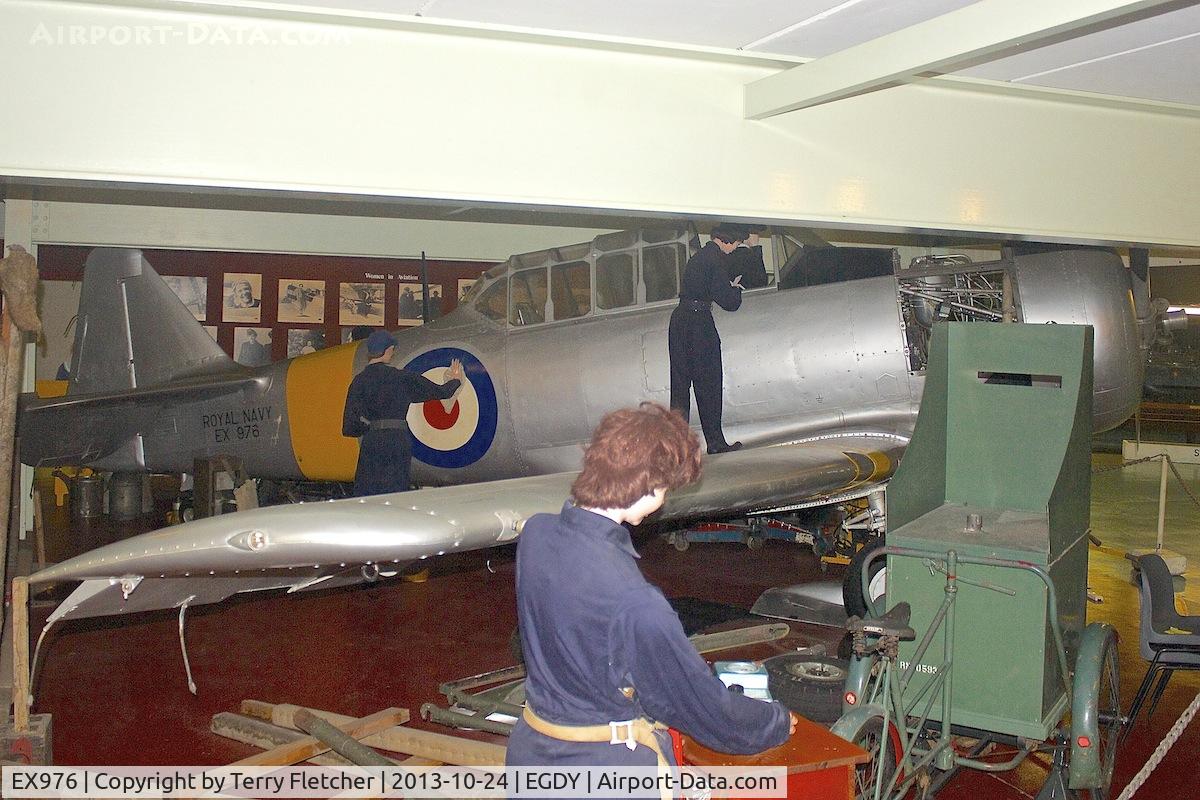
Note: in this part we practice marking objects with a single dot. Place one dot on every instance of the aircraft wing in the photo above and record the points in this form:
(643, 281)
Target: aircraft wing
(309, 545)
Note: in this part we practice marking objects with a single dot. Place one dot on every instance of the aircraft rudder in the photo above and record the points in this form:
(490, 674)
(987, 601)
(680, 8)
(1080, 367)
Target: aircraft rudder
(133, 331)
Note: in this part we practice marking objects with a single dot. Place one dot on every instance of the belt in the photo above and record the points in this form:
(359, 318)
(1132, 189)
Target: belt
(387, 424)
(630, 733)
(695, 305)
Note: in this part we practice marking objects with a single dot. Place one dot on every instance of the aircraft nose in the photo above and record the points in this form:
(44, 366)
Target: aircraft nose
(1091, 287)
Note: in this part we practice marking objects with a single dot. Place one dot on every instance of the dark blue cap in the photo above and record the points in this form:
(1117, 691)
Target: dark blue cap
(378, 343)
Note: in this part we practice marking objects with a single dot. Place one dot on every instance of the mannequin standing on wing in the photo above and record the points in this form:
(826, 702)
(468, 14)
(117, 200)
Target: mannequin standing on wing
(695, 345)
(747, 261)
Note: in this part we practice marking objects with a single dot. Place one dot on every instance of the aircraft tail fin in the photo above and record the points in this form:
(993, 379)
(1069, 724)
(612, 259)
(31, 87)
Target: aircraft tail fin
(133, 332)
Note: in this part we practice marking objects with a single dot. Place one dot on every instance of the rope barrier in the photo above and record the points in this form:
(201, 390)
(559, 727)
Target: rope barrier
(1160, 752)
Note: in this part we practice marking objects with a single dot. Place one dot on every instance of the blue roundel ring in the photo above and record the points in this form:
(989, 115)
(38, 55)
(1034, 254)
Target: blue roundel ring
(485, 427)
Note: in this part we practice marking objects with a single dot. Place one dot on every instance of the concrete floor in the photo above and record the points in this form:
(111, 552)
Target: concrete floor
(118, 693)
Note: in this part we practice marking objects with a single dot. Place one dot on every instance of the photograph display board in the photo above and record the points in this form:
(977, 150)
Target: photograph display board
(252, 346)
(192, 291)
(302, 341)
(360, 304)
(301, 300)
(242, 297)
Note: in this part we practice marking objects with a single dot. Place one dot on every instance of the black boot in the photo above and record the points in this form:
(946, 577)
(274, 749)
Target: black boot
(723, 448)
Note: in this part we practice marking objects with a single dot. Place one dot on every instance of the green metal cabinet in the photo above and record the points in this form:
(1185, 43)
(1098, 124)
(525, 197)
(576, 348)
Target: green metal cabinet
(1003, 433)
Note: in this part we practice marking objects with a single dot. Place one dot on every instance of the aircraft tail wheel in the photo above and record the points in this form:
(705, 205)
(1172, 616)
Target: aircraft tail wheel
(755, 541)
(1095, 712)
(679, 540)
(809, 685)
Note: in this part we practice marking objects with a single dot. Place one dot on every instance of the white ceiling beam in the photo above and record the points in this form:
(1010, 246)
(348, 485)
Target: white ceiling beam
(942, 44)
(315, 115)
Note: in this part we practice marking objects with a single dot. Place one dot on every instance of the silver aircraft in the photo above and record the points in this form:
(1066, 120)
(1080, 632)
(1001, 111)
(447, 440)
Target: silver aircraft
(822, 383)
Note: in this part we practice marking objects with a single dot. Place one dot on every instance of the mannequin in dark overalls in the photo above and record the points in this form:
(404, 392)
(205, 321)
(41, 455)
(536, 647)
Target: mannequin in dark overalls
(376, 407)
(695, 345)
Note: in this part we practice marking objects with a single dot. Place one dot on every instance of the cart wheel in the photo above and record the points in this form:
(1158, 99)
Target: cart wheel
(868, 734)
(852, 594)
(679, 540)
(1095, 712)
(809, 685)
(755, 541)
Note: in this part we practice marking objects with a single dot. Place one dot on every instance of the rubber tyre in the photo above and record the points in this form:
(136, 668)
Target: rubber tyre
(852, 595)
(811, 686)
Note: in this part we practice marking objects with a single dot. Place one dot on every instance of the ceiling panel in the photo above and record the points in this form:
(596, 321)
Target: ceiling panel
(1154, 58)
(855, 23)
(1169, 72)
(1141, 35)
(711, 23)
(374, 6)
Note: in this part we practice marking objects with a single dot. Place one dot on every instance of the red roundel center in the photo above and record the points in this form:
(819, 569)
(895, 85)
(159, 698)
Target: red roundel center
(438, 417)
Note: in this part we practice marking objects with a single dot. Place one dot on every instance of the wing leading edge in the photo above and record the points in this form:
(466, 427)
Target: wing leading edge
(338, 542)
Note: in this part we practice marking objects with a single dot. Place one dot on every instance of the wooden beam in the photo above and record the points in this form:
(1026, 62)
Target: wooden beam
(20, 620)
(438, 747)
(946, 43)
(306, 747)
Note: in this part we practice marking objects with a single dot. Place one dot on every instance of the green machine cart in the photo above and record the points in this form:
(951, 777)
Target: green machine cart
(984, 656)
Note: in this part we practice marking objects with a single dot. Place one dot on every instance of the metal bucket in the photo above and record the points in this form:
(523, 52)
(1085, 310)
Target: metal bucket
(125, 495)
(87, 496)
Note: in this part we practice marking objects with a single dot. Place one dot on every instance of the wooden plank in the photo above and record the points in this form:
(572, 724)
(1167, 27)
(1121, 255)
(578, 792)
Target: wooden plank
(438, 747)
(811, 748)
(20, 662)
(305, 748)
(262, 734)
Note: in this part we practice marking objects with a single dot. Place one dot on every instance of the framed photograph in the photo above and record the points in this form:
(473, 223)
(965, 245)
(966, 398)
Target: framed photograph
(360, 304)
(252, 346)
(242, 297)
(302, 341)
(192, 291)
(301, 300)
(211, 330)
(409, 307)
(464, 286)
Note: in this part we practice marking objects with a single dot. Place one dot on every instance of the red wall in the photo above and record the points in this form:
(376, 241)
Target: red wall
(65, 263)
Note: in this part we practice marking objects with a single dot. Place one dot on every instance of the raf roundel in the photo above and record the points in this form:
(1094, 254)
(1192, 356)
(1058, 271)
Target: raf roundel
(453, 433)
